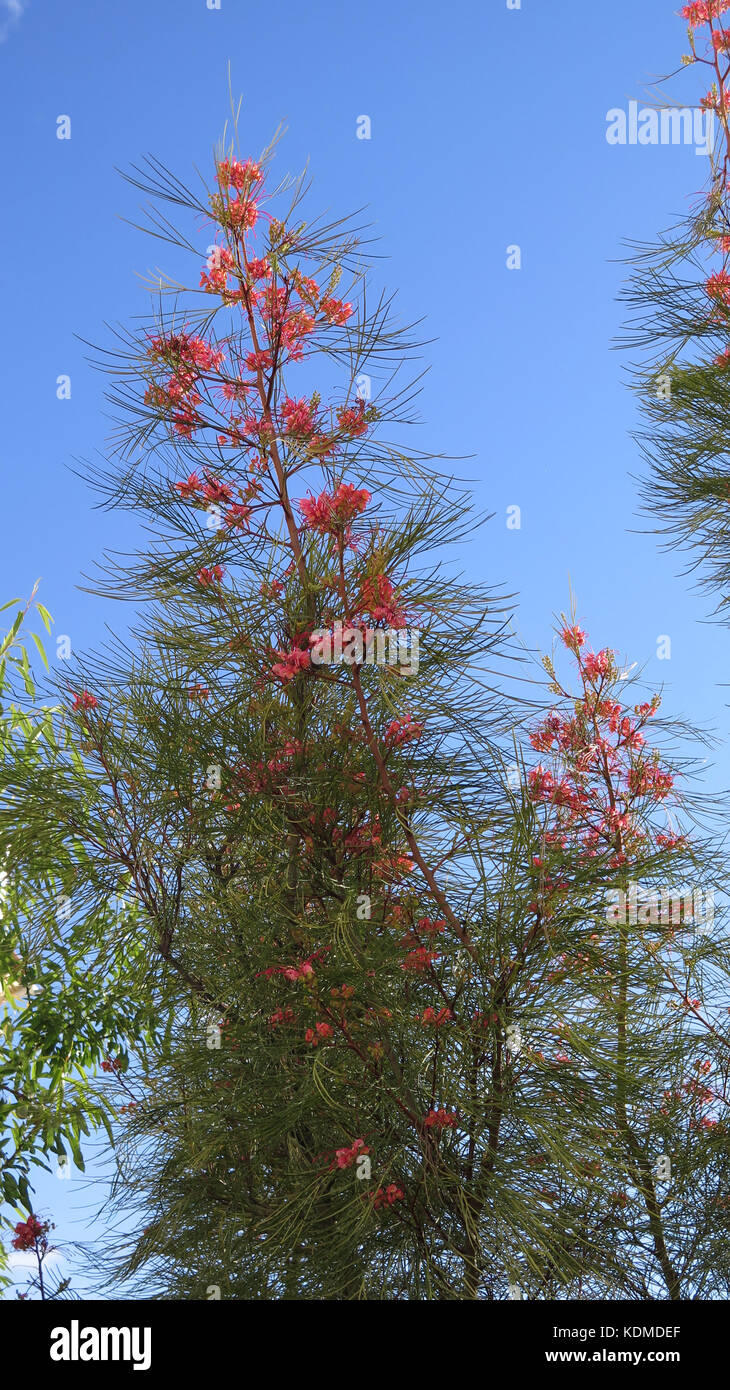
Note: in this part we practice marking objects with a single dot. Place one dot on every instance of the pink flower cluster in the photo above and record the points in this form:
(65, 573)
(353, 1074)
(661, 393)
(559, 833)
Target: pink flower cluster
(320, 1031)
(214, 492)
(346, 1157)
(28, 1232)
(378, 599)
(189, 357)
(600, 770)
(208, 578)
(291, 664)
(702, 11)
(385, 1197)
(233, 174)
(331, 513)
(401, 731)
(84, 700)
(718, 286)
(439, 1119)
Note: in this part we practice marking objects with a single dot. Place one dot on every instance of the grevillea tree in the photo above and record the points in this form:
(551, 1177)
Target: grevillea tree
(679, 297)
(407, 1045)
(540, 1115)
(645, 1023)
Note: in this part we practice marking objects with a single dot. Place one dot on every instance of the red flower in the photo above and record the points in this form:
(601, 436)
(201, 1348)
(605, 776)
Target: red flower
(716, 101)
(419, 960)
(573, 637)
(282, 1016)
(237, 175)
(335, 311)
(261, 359)
(292, 329)
(439, 1119)
(191, 488)
(182, 350)
(702, 11)
(215, 490)
(541, 784)
(696, 13)
(243, 212)
(346, 1157)
(718, 286)
(321, 1030)
(206, 577)
(385, 1197)
(377, 597)
(430, 1016)
(351, 419)
(333, 511)
(671, 841)
(237, 517)
(597, 664)
(259, 269)
(290, 664)
(28, 1232)
(84, 701)
(215, 278)
(648, 780)
(298, 972)
(298, 417)
(402, 731)
(431, 928)
(271, 588)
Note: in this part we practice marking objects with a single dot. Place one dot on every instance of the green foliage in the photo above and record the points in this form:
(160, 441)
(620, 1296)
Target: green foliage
(375, 1034)
(65, 998)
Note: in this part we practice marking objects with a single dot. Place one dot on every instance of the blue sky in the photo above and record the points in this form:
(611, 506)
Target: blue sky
(488, 131)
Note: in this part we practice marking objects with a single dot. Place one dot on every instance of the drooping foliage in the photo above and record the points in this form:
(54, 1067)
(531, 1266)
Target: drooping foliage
(679, 302)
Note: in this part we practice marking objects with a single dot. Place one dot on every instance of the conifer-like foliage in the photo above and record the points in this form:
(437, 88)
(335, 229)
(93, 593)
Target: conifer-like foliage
(679, 300)
(418, 1036)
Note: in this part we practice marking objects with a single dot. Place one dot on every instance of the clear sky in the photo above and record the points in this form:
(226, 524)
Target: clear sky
(488, 132)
